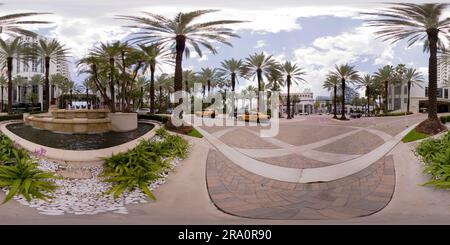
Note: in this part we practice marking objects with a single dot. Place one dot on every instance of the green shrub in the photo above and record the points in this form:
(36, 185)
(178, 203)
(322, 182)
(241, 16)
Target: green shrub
(143, 164)
(393, 114)
(160, 118)
(20, 173)
(445, 119)
(436, 156)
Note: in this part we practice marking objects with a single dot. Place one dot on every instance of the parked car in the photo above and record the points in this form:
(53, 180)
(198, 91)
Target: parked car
(143, 111)
(206, 113)
(253, 117)
(355, 115)
(25, 107)
(304, 114)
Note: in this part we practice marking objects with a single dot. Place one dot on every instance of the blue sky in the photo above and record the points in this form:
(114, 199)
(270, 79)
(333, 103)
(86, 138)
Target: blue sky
(316, 36)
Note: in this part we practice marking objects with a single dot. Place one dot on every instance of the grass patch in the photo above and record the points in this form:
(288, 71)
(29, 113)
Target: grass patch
(413, 135)
(195, 133)
(393, 114)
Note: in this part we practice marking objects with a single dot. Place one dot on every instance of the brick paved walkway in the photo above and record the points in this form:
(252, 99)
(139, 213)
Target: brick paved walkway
(241, 193)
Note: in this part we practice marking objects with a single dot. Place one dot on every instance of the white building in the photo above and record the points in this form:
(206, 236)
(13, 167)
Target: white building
(398, 94)
(302, 102)
(21, 92)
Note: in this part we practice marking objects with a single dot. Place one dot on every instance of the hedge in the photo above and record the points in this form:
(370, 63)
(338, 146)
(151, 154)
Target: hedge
(445, 119)
(160, 118)
(393, 114)
(16, 116)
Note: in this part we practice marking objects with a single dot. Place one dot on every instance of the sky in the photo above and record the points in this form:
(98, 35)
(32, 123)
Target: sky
(314, 34)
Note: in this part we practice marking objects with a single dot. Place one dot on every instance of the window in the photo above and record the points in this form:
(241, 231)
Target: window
(34, 65)
(439, 92)
(405, 90)
(18, 63)
(446, 93)
(405, 100)
(426, 91)
(35, 89)
(398, 90)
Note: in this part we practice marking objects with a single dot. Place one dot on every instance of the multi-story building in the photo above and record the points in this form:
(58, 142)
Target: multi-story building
(398, 94)
(324, 104)
(302, 102)
(27, 69)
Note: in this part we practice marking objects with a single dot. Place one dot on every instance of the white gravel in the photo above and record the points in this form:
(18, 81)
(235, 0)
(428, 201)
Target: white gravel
(86, 196)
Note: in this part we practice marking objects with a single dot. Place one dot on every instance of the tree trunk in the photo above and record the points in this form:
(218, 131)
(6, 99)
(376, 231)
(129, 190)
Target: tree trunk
(152, 89)
(233, 85)
(343, 100)
(288, 103)
(46, 97)
(209, 87)
(111, 85)
(432, 75)
(335, 102)
(368, 101)
(180, 45)
(259, 76)
(409, 90)
(386, 96)
(160, 99)
(9, 64)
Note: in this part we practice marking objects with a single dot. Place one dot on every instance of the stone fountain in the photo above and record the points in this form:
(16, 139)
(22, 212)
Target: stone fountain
(82, 121)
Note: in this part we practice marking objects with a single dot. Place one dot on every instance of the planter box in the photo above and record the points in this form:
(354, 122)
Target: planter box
(123, 122)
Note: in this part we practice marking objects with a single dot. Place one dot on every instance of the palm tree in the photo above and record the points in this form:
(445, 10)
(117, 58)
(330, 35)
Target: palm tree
(210, 76)
(345, 73)
(19, 82)
(366, 82)
(182, 33)
(418, 23)
(51, 51)
(294, 74)
(163, 83)
(251, 91)
(56, 80)
(8, 51)
(413, 78)
(3, 84)
(385, 75)
(11, 24)
(258, 65)
(332, 82)
(153, 56)
(189, 78)
(230, 69)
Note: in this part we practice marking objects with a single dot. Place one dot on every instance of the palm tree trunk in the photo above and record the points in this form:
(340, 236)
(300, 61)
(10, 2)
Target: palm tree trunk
(368, 101)
(409, 96)
(343, 100)
(152, 89)
(259, 75)
(180, 45)
(160, 99)
(335, 102)
(288, 103)
(9, 61)
(432, 75)
(1, 102)
(47, 84)
(386, 97)
(233, 102)
(111, 85)
(209, 87)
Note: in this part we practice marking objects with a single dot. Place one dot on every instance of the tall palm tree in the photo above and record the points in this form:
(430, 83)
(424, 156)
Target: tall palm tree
(19, 82)
(3, 84)
(251, 91)
(258, 66)
(153, 56)
(231, 69)
(51, 51)
(163, 83)
(330, 83)
(56, 80)
(182, 33)
(11, 23)
(210, 76)
(386, 76)
(418, 23)
(345, 73)
(412, 78)
(294, 74)
(189, 78)
(366, 82)
(9, 50)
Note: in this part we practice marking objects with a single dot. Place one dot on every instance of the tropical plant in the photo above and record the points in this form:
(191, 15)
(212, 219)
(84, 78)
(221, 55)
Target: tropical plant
(258, 66)
(412, 77)
(143, 164)
(345, 73)
(210, 76)
(366, 82)
(385, 76)
(436, 156)
(12, 23)
(50, 51)
(9, 50)
(3, 85)
(182, 33)
(418, 23)
(189, 78)
(231, 69)
(331, 83)
(153, 56)
(294, 74)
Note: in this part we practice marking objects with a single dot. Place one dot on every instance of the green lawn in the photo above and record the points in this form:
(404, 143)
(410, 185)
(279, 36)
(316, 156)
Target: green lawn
(195, 133)
(413, 135)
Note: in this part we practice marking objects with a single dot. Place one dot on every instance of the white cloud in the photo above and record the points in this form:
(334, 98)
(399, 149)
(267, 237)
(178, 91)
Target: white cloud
(353, 47)
(260, 44)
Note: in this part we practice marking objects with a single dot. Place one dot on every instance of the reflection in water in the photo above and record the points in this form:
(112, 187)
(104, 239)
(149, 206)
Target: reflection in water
(77, 141)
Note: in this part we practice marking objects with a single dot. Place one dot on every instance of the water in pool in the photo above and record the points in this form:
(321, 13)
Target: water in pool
(77, 142)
